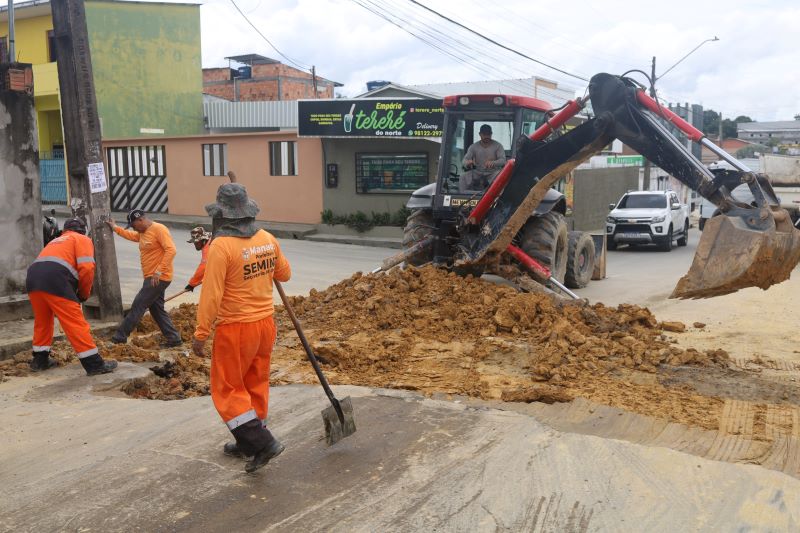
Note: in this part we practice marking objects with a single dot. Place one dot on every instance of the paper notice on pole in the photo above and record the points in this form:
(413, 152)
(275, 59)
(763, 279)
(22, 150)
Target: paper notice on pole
(97, 177)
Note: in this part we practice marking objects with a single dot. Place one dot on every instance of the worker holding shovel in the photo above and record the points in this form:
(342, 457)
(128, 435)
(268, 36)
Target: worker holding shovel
(237, 296)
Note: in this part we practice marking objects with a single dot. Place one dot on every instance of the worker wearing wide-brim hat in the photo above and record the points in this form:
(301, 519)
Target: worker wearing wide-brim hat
(237, 296)
(201, 239)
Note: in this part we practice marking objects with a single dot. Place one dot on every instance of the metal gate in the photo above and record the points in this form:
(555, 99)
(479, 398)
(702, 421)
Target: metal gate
(138, 178)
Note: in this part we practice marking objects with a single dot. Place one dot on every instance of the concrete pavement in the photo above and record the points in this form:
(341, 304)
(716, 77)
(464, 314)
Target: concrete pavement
(76, 460)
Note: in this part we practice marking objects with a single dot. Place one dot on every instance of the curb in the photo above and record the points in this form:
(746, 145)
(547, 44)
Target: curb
(361, 241)
(14, 346)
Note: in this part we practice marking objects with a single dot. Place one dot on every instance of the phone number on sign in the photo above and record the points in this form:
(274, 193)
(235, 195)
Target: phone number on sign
(428, 133)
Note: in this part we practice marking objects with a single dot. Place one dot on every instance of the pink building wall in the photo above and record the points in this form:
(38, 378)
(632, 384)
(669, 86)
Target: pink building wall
(281, 198)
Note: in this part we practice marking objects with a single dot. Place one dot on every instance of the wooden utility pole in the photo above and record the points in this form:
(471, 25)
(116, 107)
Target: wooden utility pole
(90, 196)
(647, 164)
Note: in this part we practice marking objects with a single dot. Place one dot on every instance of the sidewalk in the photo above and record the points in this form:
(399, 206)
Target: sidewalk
(281, 230)
(17, 334)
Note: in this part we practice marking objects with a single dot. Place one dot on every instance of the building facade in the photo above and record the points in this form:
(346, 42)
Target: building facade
(259, 79)
(147, 74)
(780, 132)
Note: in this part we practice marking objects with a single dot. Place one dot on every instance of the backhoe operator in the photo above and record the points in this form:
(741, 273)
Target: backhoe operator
(483, 161)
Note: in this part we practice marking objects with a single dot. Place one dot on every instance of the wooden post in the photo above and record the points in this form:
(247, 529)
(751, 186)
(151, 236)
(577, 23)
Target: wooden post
(90, 198)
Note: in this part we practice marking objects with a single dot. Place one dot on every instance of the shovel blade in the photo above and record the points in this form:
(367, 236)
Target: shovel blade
(732, 256)
(335, 430)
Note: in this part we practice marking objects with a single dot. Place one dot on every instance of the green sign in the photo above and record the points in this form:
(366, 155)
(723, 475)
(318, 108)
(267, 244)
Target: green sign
(625, 160)
(398, 117)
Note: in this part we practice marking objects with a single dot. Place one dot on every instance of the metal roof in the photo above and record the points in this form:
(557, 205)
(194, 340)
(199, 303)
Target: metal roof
(781, 125)
(253, 59)
(275, 114)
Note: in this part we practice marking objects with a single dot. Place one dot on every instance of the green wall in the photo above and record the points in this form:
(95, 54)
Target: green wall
(147, 69)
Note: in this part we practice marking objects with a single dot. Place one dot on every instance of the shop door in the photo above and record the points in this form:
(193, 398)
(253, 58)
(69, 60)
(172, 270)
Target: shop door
(138, 178)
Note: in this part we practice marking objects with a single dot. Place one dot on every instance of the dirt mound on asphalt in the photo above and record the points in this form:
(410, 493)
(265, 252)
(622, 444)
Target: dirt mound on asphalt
(183, 317)
(185, 377)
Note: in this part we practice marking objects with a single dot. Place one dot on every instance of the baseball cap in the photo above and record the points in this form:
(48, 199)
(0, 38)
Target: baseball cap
(134, 215)
(486, 129)
(75, 224)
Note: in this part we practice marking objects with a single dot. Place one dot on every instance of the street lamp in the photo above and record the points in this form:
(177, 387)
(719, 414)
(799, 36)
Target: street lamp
(687, 55)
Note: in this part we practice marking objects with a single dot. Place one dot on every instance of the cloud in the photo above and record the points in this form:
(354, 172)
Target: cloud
(750, 70)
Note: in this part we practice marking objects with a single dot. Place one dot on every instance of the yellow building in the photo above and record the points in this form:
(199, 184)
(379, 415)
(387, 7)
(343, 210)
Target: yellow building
(146, 63)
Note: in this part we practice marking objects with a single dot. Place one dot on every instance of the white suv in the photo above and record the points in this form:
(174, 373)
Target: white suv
(648, 217)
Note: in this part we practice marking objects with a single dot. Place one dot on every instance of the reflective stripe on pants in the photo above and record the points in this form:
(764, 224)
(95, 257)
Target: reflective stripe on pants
(240, 360)
(69, 314)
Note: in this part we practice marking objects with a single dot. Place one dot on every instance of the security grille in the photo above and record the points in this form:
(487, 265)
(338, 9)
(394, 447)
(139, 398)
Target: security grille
(138, 178)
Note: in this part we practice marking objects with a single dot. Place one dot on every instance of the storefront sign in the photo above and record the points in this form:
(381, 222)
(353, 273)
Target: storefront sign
(400, 117)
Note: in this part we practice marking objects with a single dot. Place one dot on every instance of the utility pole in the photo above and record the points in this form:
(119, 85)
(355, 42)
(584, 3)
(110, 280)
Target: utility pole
(647, 164)
(720, 129)
(12, 54)
(89, 191)
(314, 80)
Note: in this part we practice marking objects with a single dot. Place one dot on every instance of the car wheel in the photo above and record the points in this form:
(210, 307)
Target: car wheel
(580, 259)
(701, 224)
(684, 239)
(666, 244)
(611, 244)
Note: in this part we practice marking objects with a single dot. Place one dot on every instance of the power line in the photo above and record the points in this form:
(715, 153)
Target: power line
(287, 58)
(438, 41)
(496, 43)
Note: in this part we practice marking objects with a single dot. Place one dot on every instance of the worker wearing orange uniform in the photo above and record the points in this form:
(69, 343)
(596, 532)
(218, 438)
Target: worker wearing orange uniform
(57, 282)
(201, 239)
(157, 252)
(237, 296)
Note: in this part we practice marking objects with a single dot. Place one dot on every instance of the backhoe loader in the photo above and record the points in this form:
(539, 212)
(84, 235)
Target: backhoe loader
(512, 228)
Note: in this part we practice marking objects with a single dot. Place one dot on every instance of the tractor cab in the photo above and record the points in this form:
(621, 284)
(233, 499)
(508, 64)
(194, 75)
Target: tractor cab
(507, 116)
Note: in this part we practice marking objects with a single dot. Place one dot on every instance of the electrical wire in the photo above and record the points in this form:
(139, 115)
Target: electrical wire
(287, 58)
(478, 34)
(435, 38)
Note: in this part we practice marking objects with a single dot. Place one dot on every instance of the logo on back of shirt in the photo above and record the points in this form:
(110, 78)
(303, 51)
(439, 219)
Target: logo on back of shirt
(245, 253)
(263, 260)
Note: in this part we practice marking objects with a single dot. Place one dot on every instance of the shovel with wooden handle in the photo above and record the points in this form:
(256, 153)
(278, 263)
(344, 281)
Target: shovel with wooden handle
(338, 419)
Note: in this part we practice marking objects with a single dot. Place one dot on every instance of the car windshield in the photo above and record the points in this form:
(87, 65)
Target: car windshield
(642, 201)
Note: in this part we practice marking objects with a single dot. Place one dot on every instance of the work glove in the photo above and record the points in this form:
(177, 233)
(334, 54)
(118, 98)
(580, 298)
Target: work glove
(189, 288)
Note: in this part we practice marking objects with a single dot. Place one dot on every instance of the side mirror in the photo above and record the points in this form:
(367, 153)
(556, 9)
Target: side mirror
(611, 207)
(676, 206)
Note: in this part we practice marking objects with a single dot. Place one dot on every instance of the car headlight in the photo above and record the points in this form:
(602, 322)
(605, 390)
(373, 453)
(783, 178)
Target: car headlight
(662, 218)
(611, 220)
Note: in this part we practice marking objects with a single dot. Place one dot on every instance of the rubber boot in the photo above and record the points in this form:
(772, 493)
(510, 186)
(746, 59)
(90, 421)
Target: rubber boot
(42, 361)
(253, 439)
(232, 449)
(95, 365)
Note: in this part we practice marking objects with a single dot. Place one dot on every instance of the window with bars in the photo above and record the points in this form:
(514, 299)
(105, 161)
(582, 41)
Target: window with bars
(283, 158)
(215, 159)
(376, 173)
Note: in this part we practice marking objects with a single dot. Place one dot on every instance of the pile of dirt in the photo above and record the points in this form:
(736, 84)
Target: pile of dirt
(185, 377)
(183, 317)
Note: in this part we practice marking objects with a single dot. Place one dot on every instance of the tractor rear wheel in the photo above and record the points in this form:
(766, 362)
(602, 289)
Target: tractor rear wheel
(580, 259)
(544, 238)
(419, 226)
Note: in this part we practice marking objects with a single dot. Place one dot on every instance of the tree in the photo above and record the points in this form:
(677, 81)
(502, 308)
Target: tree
(710, 122)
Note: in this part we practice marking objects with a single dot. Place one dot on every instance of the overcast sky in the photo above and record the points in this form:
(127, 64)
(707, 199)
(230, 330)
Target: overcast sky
(752, 70)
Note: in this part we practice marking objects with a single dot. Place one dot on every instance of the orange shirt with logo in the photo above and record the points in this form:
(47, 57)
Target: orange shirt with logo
(156, 249)
(237, 285)
(197, 279)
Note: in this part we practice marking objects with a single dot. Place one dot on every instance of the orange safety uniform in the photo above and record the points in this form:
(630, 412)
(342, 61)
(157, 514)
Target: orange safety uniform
(156, 248)
(197, 278)
(237, 296)
(57, 281)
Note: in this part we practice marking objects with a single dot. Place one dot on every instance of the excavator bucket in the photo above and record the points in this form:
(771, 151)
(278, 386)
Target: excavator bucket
(733, 255)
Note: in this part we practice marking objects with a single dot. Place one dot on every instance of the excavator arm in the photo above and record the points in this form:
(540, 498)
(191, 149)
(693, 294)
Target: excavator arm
(746, 246)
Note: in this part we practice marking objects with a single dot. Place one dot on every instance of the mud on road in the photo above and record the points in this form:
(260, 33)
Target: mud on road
(434, 332)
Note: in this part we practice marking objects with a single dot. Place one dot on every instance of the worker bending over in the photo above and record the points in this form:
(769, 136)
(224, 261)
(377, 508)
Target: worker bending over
(237, 296)
(201, 239)
(57, 282)
(157, 252)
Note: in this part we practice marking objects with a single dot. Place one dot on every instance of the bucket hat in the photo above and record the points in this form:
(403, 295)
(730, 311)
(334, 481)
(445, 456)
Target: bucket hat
(232, 202)
(199, 234)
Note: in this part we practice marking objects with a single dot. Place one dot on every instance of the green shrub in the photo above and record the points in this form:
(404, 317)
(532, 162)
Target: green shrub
(362, 222)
